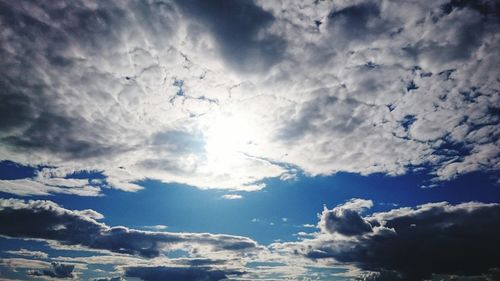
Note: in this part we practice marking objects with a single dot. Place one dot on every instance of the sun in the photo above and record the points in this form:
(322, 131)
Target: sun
(229, 138)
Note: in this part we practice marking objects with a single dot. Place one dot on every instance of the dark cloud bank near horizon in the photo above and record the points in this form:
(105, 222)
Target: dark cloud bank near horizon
(412, 243)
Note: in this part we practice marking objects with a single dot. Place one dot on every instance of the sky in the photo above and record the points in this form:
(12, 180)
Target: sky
(207, 140)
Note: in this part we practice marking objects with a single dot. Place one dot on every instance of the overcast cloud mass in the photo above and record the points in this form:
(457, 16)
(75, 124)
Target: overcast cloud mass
(100, 98)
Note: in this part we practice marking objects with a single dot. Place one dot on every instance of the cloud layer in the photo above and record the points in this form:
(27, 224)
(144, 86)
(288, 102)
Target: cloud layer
(430, 240)
(223, 95)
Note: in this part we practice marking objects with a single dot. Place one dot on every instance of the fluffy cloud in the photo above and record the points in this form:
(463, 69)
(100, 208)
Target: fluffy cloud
(412, 243)
(345, 219)
(223, 95)
(48, 221)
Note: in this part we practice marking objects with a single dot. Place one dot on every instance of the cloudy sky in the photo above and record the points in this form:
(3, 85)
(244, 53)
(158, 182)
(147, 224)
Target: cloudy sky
(250, 140)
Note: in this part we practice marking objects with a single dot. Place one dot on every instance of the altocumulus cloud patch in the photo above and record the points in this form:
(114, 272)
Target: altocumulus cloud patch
(322, 87)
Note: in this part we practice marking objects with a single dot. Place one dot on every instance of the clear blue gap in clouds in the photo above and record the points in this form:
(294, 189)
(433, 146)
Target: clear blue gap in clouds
(184, 208)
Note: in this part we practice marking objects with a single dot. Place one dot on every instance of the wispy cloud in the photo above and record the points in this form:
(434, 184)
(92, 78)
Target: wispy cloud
(232, 196)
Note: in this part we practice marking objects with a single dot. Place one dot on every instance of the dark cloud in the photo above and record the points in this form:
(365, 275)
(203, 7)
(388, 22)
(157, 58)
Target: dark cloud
(357, 22)
(179, 273)
(435, 238)
(200, 262)
(58, 270)
(237, 26)
(485, 7)
(28, 101)
(46, 220)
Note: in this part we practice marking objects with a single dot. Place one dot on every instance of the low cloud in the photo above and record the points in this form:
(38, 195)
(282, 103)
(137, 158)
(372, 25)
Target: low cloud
(48, 221)
(345, 219)
(413, 243)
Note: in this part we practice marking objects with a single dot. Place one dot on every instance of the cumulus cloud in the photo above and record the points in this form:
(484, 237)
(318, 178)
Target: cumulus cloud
(412, 243)
(345, 219)
(48, 221)
(58, 270)
(219, 94)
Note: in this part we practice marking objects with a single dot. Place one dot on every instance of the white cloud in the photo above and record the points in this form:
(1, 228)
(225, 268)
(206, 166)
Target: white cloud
(232, 196)
(160, 91)
(29, 187)
(157, 227)
(28, 253)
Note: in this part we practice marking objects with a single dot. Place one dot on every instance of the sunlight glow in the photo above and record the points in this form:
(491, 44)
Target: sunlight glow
(229, 137)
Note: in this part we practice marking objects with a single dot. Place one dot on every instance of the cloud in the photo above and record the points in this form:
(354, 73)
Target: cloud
(156, 227)
(238, 27)
(218, 94)
(179, 273)
(232, 196)
(49, 181)
(28, 253)
(15, 263)
(118, 278)
(58, 270)
(48, 221)
(414, 243)
(345, 219)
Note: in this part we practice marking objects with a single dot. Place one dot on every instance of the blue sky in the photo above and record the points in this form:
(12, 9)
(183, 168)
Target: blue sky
(249, 140)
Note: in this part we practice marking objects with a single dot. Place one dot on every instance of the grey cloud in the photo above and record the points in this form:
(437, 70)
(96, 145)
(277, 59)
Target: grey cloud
(178, 141)
(47, 220)
(179, 273)
(200, 262)
(237, 27)
(435, 238)
(357, 22)
(58, 270)
(32, 103)
(343, 220)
